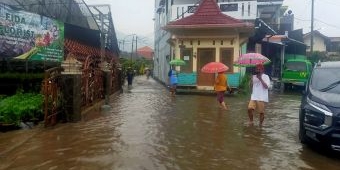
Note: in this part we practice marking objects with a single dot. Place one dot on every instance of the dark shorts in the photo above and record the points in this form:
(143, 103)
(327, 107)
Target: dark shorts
(220, 96)
(173, 87)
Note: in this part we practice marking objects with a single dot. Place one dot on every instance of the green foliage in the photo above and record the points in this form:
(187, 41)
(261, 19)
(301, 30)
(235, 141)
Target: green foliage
(244, 85)
(28, 82)
(21, 76)
(317, 56)
(137, 65)
(21, 107)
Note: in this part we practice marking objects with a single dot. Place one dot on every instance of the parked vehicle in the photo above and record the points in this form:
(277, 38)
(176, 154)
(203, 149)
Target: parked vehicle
(319, 116)
(296, 71)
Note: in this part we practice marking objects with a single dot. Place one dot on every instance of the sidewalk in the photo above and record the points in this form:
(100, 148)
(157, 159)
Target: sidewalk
(191, 90)
(184, 91)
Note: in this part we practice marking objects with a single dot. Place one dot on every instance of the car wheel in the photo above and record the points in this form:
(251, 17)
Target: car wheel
(302, 131)
(287, 86)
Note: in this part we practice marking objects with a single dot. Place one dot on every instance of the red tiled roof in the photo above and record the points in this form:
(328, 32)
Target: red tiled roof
(145, 52)
(145, 48)
(81, 51)
(207, 14)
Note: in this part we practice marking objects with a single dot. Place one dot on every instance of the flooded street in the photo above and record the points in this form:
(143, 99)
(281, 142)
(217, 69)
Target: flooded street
(147, 129)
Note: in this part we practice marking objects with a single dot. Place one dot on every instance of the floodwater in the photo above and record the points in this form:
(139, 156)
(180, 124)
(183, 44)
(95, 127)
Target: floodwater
(146, 129)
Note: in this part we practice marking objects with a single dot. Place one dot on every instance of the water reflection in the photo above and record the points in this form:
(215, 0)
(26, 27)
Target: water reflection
(148, 129)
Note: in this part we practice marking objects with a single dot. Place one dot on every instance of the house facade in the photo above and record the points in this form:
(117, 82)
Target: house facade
(320, 41)
(334, 47)
(146, 52)
(330, 46)
(191, 43)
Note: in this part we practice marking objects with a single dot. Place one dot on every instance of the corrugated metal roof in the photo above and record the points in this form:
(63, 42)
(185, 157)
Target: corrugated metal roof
(73, 12)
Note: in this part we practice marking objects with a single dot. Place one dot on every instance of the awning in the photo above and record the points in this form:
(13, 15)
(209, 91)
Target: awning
(280, 39)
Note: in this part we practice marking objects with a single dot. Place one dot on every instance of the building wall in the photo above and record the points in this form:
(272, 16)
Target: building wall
(170, 9)
(245, 10)
(231, 41)
(195, 40)
(161, 62)
(162, 48)
(334, 44)
(319, 43)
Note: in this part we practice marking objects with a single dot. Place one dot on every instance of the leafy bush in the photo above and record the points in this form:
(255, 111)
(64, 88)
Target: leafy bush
(244, 85)
(21, 76)
(21, 107)
(29, 82)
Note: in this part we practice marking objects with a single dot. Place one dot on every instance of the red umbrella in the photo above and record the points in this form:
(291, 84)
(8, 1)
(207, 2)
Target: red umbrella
(251, 59)
(214, 67)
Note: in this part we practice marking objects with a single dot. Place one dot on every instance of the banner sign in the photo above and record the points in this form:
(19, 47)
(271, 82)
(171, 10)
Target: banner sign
(29, 36)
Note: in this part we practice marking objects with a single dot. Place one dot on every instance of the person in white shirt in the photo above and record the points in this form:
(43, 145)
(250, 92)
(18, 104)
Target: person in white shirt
(259, 96)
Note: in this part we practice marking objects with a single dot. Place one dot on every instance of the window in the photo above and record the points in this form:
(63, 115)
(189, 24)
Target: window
(192, 9)
(321, 79)
(187, 56)
(296, 66)
(229, 7)
(162, 3)
(248, 8)
(227, 58)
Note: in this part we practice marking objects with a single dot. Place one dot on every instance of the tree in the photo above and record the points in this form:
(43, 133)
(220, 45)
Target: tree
(317, 56)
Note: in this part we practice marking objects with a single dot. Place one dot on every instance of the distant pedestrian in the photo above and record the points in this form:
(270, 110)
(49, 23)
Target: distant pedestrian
(147, 73)
(173, 80)
(259, 96)
(129, 77)
(221, 86)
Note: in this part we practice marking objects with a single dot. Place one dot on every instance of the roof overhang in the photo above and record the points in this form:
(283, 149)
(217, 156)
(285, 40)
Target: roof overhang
(281, 40)
(241, 27)
(260, 24)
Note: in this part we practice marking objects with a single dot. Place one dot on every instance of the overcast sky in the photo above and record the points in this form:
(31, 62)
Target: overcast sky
(327, 15)
(135, 16)
(131, 16)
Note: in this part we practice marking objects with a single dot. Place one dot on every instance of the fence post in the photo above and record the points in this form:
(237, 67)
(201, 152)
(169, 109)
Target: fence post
(107, 86)
(71, 89)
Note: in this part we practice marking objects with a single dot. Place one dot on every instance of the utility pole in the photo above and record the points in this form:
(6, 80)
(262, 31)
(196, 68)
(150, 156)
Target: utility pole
(133, 39)
(123, 44)
(312, 30)
(136, 44)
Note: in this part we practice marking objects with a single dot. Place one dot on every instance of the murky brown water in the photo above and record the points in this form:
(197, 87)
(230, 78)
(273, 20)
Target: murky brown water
(147, 129)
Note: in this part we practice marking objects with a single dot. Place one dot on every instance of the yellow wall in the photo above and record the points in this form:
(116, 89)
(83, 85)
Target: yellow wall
(318, 43)
(208, 43)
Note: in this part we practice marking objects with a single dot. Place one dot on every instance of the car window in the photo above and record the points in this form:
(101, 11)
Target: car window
(324, 77)
(296, 66)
